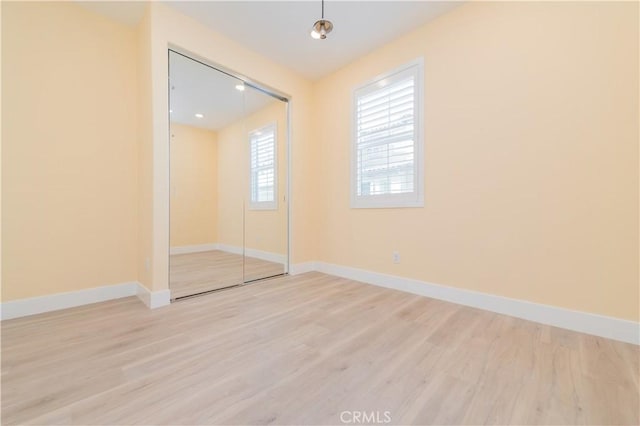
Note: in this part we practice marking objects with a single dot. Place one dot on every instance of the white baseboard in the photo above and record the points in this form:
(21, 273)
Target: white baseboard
(55, 302)
(301, 268)
(598, 325)
(153, 299)
(258, 254)
(229, 249)
(193, 249)
(37, 305)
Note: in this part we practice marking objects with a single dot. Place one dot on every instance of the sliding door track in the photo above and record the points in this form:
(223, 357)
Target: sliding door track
(265, 278)
(216, 290)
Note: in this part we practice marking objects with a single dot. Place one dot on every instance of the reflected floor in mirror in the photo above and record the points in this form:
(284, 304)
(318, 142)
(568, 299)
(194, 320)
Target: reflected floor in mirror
(195, 273)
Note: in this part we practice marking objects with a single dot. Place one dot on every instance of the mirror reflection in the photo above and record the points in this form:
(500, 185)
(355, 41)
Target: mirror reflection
(228, 154)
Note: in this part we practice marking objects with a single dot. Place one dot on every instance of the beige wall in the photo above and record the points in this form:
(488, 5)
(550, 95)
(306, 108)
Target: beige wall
(531, 127)
(69, 164)
(232, 157)
(145, 154)
(1, 274)
(194, 186)
(264, 230)
(531, 163)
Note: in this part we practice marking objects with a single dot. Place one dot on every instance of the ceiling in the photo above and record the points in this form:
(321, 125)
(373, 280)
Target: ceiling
(280, 30)
(200, 89)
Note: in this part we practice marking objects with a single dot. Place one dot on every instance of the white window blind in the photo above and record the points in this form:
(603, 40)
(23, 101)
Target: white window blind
(387, 152)
(263, 168)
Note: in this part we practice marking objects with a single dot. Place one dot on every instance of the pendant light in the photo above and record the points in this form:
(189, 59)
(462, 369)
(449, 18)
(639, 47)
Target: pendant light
(322, 27)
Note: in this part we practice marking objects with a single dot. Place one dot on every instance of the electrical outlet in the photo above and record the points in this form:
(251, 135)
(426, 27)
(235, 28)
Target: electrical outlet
(396, 257)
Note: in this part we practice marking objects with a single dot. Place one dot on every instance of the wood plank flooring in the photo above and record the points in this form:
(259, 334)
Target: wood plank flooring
(195, 273)
(302, 350)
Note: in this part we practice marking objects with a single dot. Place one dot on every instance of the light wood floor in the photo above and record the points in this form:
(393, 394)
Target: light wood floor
(195, 273)
(300, 350)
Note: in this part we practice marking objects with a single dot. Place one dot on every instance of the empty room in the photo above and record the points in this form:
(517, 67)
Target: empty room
(320, 212)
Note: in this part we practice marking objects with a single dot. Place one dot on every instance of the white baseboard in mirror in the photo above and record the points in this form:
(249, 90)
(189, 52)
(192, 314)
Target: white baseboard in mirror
(258, 254)
(193, 249)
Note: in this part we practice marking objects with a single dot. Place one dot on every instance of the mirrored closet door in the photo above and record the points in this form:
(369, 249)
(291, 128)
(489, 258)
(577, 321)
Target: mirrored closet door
(229, 177)
(265, 208)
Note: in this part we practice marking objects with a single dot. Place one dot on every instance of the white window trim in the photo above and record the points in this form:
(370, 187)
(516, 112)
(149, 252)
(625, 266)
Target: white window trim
(266, 205)
(416, 198)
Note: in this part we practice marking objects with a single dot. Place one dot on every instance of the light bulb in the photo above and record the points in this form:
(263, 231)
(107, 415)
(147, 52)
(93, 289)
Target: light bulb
(321, 28)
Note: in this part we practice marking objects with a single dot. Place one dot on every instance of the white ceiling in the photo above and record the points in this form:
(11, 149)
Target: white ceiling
(280, 29)
(199, 89)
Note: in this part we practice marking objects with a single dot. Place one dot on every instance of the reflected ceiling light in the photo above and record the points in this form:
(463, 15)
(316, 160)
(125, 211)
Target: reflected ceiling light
(170, 111)
(240, 87)
(198, 115)
(322, 27)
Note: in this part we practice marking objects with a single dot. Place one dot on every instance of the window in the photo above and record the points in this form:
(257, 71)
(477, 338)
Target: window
(387, 145)
(263, 168)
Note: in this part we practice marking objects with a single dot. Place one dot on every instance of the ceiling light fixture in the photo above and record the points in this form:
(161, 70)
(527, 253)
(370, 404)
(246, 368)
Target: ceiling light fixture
(322, 27)
(240, 87)
(198, 115)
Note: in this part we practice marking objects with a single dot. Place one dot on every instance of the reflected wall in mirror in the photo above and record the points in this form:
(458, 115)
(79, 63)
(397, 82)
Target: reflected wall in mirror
(228, 172)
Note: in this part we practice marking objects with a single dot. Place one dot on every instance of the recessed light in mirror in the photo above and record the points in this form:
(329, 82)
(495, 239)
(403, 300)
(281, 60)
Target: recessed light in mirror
(240, 87)
(170, 111)
(198, 115)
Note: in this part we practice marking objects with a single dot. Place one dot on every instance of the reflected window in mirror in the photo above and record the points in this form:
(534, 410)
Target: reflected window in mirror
(262, 154)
